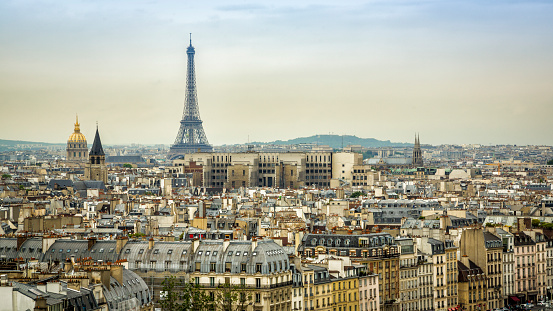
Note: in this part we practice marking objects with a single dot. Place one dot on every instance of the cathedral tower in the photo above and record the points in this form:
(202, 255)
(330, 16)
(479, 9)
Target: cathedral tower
(417, 153)
(77, 149)
(96, 168)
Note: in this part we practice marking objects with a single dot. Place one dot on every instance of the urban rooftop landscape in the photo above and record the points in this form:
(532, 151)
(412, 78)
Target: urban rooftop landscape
(448, 205)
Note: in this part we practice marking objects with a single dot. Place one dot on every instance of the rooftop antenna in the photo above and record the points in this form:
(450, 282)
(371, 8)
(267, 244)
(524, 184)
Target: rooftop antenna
(190, 38)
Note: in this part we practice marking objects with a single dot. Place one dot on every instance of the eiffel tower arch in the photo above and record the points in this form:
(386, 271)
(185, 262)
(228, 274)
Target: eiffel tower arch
(191, 136)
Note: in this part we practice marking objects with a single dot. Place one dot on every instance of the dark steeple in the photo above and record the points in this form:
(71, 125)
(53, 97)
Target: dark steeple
(417, 153)
(97, 145)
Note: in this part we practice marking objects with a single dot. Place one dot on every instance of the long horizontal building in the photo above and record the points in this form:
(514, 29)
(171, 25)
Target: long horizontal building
(258, 169)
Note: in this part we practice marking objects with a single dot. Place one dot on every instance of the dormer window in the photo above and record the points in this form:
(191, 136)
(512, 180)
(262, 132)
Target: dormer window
(215, 253)
(237, 253)
(207, 253)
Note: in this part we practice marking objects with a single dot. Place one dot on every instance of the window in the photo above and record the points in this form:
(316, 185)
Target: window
(156, 251)
(258, 282)
(170, 251)
(127, 251)
(207, 253)
(141, 251)
(230, 253)
(237, 253)
(214, 253)
(257, 297)
(258, 268)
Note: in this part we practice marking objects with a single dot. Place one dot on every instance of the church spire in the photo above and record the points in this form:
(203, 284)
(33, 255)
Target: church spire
(417, 152)
(97, 145)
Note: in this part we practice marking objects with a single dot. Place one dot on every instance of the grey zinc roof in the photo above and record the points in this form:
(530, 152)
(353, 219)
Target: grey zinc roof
(271, 256)
(237, 253)
(8, 248)
(136, 253)
(208, 252)
(103, 250)
(170, 255)
(63, 249)
(31, 248)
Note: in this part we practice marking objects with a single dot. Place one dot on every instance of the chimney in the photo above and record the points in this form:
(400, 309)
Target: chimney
(120, 243)
(195, 245)
(91, 242)
(151, 243)
(116, 272)
(465, 261)
(40, 304)
(254, 243)
(201, 209)
(296, 242)
(20, 240)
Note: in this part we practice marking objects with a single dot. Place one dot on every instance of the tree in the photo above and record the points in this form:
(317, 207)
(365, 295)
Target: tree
(127, 165)
(550, 162)
(178, 295)
(535, 223)
(6, 176)
(356, 194)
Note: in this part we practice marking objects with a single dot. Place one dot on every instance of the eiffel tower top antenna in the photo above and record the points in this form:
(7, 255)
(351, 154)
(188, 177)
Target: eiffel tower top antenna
(190, 38)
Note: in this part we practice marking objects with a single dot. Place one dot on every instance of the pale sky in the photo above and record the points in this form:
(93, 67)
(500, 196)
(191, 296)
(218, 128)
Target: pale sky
(455, 71)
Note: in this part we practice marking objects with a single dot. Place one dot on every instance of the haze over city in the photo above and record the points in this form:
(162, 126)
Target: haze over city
(456, 72)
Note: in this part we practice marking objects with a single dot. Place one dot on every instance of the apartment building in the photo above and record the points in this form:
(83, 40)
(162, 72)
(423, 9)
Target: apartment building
(369, 299)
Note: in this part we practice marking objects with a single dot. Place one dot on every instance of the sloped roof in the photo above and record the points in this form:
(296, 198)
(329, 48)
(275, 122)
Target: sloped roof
(97, 145)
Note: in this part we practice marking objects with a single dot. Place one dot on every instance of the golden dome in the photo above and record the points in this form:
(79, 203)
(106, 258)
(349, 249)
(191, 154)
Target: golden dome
(77, 136)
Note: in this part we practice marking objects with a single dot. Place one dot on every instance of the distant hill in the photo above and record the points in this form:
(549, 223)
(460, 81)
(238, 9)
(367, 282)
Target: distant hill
(6, 145)
(335, 141)
(11, 143)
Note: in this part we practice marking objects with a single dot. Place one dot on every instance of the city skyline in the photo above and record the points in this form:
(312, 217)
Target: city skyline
(458, 73)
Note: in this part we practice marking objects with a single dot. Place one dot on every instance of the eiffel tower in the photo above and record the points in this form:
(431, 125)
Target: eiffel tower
(191, 137)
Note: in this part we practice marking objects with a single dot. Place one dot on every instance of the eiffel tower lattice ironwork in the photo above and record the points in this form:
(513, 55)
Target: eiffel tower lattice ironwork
(191, 137)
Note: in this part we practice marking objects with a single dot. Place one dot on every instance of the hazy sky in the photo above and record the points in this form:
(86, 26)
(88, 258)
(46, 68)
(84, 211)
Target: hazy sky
(454, 71)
